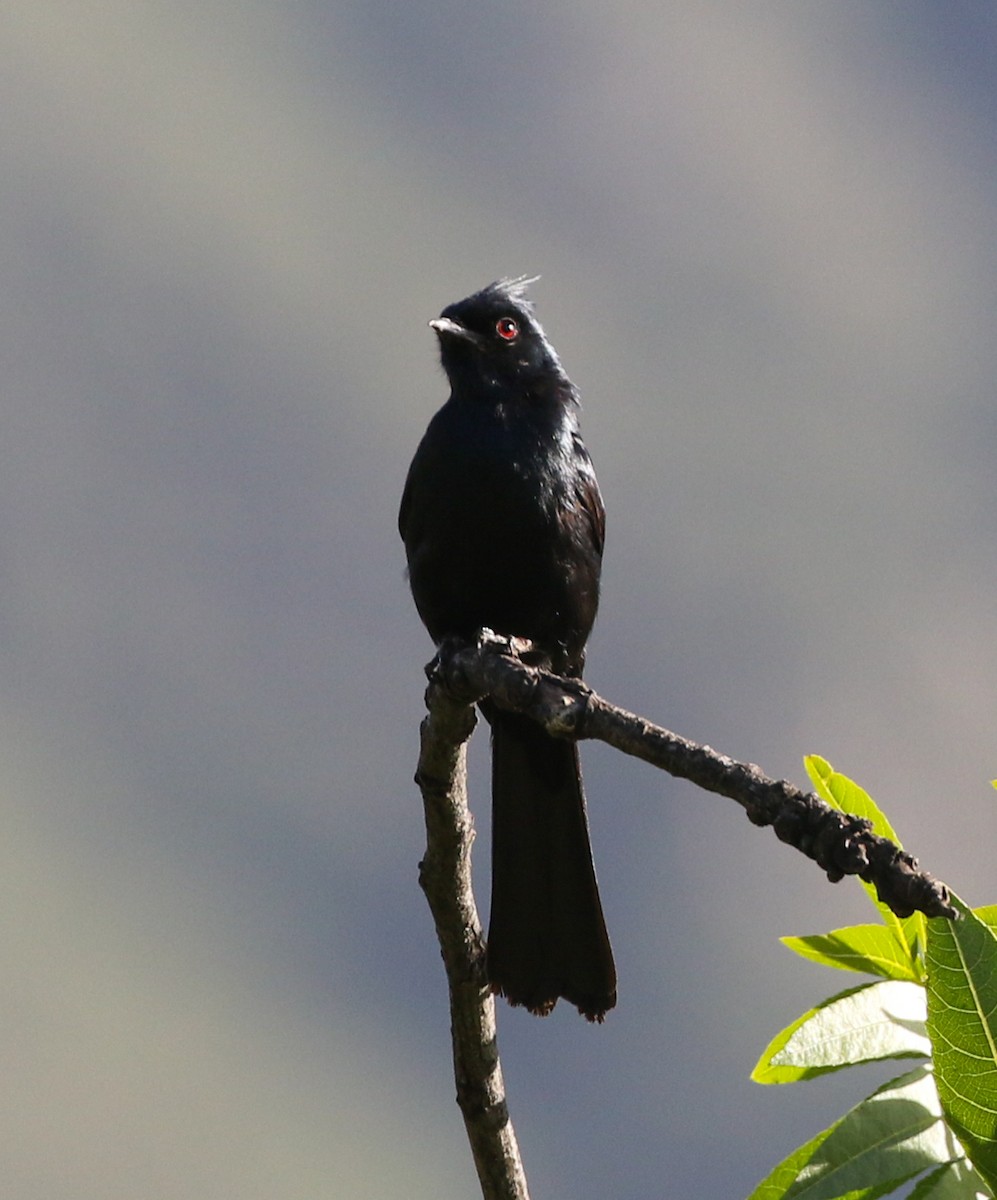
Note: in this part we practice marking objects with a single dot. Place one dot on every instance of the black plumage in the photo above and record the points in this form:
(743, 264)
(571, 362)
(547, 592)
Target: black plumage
(503, 525)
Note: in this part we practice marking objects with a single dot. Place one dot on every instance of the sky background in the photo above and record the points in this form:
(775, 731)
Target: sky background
(767, 235)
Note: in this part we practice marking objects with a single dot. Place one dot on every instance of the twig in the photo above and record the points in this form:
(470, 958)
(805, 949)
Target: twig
(840, 844)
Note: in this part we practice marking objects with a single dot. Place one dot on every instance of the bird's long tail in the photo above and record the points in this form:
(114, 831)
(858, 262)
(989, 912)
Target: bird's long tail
(547, 936)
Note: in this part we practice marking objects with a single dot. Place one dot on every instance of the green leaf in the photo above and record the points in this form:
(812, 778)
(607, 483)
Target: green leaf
(871, 949)
(864, 1024)
(962, 1024)
(846, 796)
(988, 915)
(954, 1181)
(785, 1181)
(886, 1140)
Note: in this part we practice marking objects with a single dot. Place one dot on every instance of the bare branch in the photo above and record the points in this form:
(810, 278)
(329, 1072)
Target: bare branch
(504, 669)
(840, 844)
(445, 877)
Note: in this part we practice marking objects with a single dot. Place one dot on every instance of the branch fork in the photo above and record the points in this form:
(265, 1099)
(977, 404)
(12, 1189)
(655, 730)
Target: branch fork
(513, 674)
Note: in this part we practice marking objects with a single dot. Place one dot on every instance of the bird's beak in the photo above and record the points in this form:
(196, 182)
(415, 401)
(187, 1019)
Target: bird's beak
(445, 327)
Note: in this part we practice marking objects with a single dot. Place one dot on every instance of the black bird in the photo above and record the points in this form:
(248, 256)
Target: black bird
(503, 525)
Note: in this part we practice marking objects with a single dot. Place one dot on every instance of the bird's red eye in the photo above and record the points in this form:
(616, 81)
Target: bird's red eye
(507, 328)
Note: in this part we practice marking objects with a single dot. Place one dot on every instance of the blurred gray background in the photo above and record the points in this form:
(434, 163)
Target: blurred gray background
(767, 239)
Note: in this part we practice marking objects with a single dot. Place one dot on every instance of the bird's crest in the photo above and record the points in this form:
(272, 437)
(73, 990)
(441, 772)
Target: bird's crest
(514, 289)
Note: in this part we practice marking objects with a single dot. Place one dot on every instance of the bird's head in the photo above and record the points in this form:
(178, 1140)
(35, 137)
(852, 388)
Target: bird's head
(493, 340)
